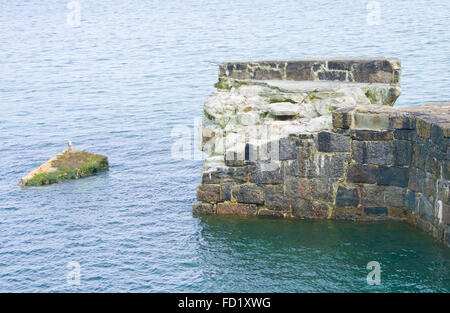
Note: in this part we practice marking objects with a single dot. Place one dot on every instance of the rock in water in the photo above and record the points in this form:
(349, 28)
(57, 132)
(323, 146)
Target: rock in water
(70, 164)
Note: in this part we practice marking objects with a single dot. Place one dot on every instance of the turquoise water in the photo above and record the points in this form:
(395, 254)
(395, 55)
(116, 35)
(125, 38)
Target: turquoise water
(120, 82)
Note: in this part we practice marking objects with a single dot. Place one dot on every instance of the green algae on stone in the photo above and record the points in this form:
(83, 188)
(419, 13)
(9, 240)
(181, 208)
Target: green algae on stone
(70, 164)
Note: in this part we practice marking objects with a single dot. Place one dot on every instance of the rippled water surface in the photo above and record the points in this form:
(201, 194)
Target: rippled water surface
(121, 81)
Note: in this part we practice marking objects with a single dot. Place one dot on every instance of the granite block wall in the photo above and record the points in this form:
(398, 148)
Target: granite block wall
(376, 164)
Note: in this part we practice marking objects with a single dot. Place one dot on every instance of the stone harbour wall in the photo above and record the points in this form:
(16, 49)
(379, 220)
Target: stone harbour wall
(367, 70)
(375, 162)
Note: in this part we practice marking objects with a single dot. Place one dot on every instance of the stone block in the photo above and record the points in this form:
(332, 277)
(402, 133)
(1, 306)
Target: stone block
(225, 191)
(405, 134)
(289, 148)
(312, 189)
(445, 214)
(360, 173)
(419, 156)
(393, 176)
(299, 70)
(411, 200)
(374, 71)
(402, 122)
(276, 200)
(234, 159)
(341, 65)
(402, 153)
(230, 208)
(398, 212)
(425, 208)
(267, 74)
(396, 196)
(332, 142)
(248, 193)
(373, 152)
(371, 121)
(417, 180)
(342, 118)
(436, 134)
(346, 197)
(302, 208)
(321, 189)
(292, 186)
(270, 213)
(372, 195)
(225, 174)
(208, 193)
(333, 75)
(333, 166)
(376, 211)
(307, 209)
(423, 128)
(372, 135)
(322, 165)
(347, 213)
(259, 175)
(204, 209)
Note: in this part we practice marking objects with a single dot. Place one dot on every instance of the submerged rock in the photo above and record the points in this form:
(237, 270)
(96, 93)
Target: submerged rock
(70, 164)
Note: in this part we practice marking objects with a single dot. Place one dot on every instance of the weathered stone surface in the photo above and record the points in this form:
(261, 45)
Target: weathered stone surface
(372, 195)
(372, 135)
(404, 134)
(225, 174)
(229, 208)
(316, 189)
(360, 173)
(307, 209)
(425, 208)
(393, 176)
(270, 213)
(402, 153)
(333, 75)
(346, 197)
(289, 148)
(373, 152)
(332, 142)
(322, 165)
(204, 209)
(359, 70)
(376, 211)
(248, 193)
(417, 180)
(299, 71)
(411, 200)
(260, 176)
(342, 118)
(398, 212)
(396, 196)
(225, 191)
(347, 213)
(276, 200)
(371, 121)
(208, 193)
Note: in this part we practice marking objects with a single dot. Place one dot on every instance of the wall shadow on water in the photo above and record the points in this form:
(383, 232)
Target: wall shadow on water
(267, 255)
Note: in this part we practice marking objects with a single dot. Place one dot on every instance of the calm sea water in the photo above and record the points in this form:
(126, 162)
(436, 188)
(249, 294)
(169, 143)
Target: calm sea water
(121, 81)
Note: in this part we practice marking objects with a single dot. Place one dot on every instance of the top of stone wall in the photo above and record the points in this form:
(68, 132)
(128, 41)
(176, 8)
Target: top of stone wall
(358, 70)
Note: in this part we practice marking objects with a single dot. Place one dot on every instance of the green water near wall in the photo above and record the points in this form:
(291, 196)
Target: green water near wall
(320, 256)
